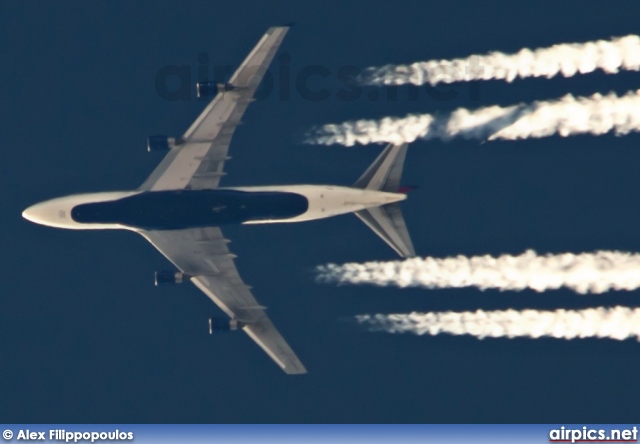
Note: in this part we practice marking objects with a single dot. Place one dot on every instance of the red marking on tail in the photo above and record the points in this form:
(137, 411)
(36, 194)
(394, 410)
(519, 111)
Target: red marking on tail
(405, 189)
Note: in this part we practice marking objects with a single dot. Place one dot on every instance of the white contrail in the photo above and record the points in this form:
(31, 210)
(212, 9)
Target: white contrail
(584, 273)
(569, 59)
(614, 323)
(567, 116)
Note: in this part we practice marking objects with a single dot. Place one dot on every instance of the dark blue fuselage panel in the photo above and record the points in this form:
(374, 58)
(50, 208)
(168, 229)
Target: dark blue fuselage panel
(176, 210)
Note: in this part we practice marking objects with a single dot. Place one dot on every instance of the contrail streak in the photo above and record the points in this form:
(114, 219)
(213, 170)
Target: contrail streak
(568, 59)
(583, 273)
(614, 323)
(566, 116)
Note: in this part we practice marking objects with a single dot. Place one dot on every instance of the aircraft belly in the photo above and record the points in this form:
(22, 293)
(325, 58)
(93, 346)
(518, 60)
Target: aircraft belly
(326, 201)
(182, 209)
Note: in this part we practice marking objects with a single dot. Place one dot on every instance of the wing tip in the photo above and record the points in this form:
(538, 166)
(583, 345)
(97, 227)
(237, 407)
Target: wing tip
(295, 371)
(284, 27)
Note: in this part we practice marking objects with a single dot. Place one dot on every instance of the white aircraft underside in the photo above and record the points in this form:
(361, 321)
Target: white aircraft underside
(324, 201)
(173, 208)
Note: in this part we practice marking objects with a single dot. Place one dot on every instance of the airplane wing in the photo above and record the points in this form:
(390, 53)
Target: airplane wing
(198, 161)
(202, 254)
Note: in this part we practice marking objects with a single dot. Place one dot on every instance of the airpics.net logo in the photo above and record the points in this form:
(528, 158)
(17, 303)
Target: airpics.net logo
(316, 83)
(587, 434)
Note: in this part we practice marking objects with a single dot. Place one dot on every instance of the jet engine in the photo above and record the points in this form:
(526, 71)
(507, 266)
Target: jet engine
(166, 277)
(162, 143)
(209, 89)
(219, 325)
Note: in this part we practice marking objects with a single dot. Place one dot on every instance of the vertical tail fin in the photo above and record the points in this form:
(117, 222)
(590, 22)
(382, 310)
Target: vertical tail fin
(387, 221)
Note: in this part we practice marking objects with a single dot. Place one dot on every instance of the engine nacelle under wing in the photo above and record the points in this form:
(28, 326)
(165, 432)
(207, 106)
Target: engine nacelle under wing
(219, 325)
(210, 89)
(162, 143)
(166, 277)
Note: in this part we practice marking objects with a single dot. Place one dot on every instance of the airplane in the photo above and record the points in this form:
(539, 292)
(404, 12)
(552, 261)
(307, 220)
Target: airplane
(180, 207)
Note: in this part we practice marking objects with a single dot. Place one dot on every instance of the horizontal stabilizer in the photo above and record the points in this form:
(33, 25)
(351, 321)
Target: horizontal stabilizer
(387, 222)
(384, 173)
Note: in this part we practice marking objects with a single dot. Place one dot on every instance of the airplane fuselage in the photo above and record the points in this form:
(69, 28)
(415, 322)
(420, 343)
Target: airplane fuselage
(181, 209)
(180, 204)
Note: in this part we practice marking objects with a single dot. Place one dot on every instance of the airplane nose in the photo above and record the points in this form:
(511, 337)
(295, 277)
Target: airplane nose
(41, 213)
(58, 212)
